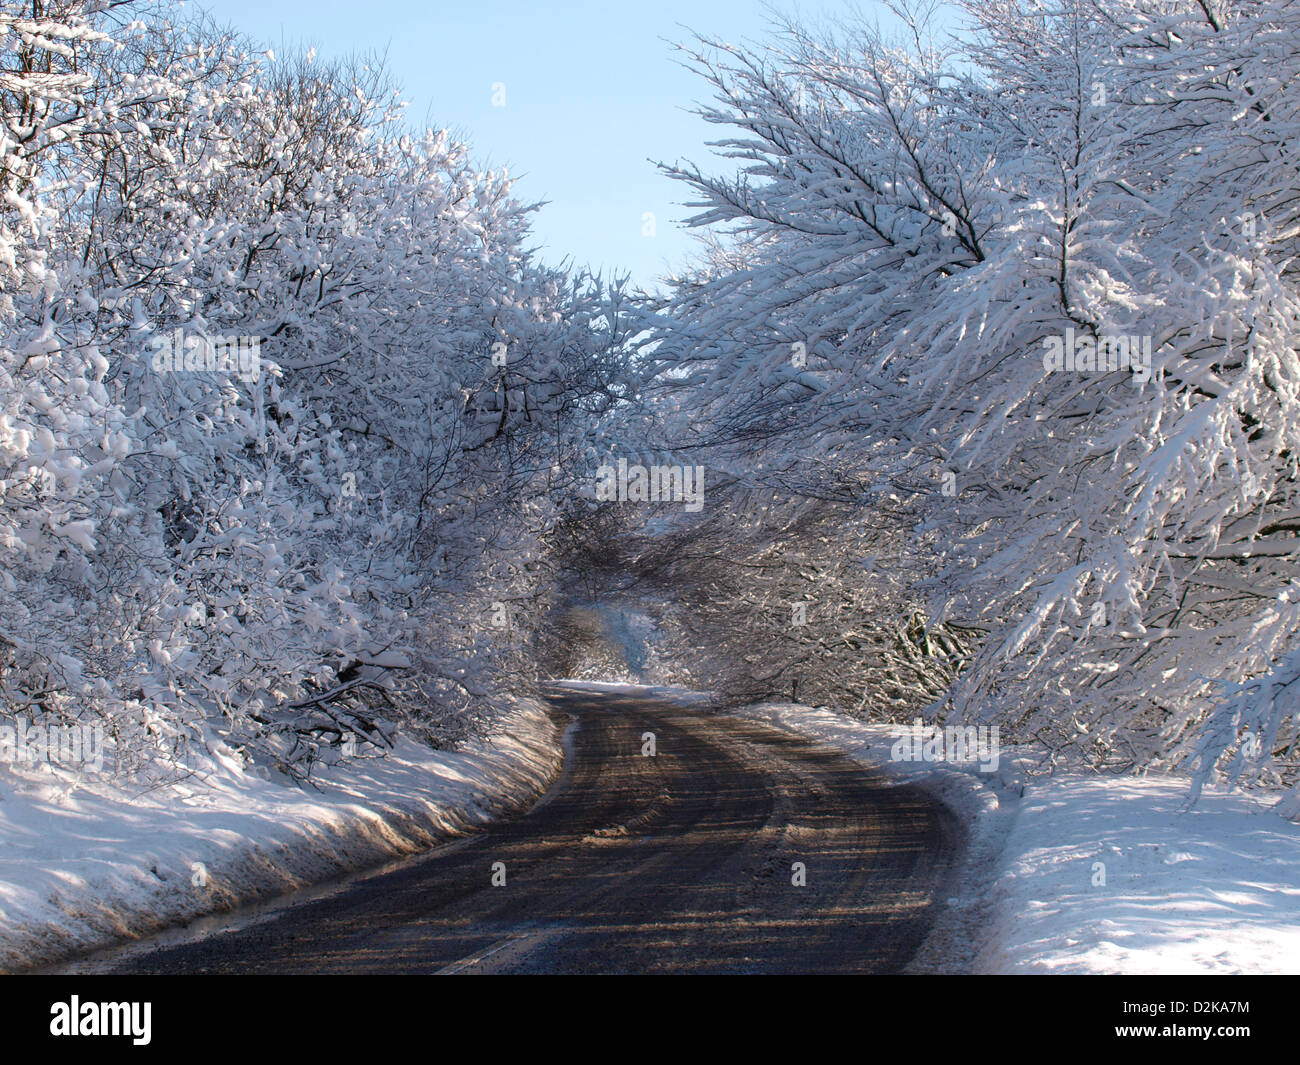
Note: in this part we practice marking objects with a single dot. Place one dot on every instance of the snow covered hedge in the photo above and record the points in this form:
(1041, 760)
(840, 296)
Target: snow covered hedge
(282, 395)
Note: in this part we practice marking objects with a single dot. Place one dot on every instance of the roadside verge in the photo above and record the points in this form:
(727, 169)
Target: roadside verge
(86, 865)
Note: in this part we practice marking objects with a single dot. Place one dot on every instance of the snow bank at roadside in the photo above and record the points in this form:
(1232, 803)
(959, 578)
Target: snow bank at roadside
(1108, 875)
(86, 863)
(1212, 890)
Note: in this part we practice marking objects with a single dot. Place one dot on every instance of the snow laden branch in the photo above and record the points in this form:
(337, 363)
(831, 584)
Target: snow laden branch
(1040, 277)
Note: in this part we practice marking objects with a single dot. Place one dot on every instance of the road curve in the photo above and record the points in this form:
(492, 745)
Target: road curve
(680, 862)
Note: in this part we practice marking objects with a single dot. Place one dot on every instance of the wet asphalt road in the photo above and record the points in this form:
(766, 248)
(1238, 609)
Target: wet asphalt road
(680, 862)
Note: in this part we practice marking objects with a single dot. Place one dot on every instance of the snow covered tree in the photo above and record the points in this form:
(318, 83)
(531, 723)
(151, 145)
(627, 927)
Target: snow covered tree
(918, 235)
(286, 396)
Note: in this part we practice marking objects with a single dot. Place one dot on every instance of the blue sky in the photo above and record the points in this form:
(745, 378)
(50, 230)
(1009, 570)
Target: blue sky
(592, 91)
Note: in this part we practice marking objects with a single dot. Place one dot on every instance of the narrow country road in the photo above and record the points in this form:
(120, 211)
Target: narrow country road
(680, 862)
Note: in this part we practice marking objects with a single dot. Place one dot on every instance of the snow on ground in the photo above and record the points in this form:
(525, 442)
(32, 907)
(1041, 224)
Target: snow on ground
(1212, 890)
(1216, 889)
(1107, 875)
(85, 862)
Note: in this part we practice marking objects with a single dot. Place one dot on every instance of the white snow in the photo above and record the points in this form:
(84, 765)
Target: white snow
(85, 862)
(1213, 890)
